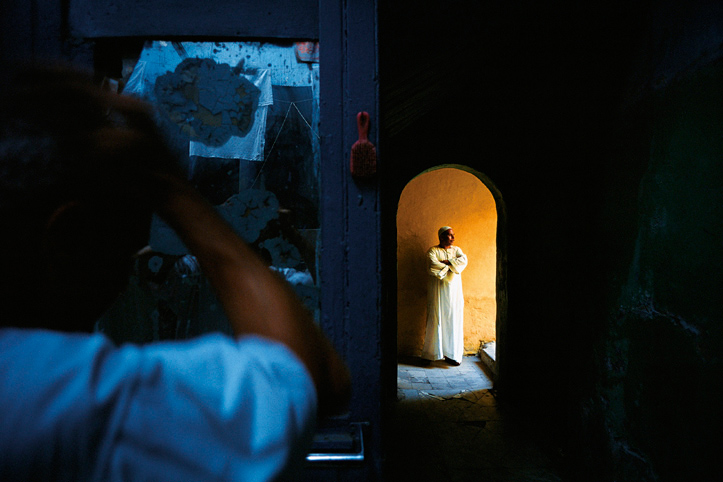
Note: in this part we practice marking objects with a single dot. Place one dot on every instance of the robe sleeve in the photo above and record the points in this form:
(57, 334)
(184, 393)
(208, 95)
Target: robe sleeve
(435, 267)
(459, 262)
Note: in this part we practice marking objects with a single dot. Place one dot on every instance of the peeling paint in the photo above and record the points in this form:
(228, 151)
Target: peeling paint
(207, 100)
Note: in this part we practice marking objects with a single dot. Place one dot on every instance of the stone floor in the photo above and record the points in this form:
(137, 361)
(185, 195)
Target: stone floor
(448, 427)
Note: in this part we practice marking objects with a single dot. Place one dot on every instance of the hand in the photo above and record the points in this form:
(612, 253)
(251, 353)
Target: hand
(144, 169)
(135, 160)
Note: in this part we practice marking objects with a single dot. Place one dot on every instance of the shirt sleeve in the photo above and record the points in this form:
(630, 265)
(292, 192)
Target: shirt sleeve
(213, 408)
(436, 268)
(459, 262)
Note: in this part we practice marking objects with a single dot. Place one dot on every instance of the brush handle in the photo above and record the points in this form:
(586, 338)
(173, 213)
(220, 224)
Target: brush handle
(362, 124)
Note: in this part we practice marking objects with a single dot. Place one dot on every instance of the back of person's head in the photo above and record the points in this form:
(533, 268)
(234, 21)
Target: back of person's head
(68, 227)
(44, 118)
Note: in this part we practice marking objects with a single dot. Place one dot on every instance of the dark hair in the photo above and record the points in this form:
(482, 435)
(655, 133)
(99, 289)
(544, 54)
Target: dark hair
(56, 146)
(47, 116)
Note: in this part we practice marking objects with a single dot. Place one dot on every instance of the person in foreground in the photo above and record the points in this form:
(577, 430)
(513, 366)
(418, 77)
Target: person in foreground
(444, 337)
(81, 172)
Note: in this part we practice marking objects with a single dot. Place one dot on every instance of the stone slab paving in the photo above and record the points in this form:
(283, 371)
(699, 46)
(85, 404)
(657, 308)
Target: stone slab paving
(447, 426)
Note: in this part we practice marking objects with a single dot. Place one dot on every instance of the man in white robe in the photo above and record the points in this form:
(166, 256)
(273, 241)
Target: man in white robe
(445, 302)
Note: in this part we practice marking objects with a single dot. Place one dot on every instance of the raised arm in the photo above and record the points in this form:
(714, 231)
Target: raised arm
(255, 299)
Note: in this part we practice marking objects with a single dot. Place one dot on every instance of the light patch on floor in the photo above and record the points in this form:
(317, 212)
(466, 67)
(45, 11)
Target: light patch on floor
(447, 426)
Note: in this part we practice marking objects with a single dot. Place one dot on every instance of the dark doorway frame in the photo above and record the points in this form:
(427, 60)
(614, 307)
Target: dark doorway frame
(390, 279)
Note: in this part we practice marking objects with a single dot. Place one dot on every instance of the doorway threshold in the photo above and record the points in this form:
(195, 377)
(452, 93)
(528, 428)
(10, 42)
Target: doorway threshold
(487, 355)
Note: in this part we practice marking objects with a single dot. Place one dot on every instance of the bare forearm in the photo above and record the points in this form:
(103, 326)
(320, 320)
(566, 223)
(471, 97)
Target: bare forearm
(256, 300)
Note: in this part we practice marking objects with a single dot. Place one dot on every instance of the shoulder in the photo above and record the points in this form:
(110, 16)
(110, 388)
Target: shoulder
(434, 252)
(237, 365)
(45, 353)
(223, 387)
(138, 398)
(32, 348)
(60, 384)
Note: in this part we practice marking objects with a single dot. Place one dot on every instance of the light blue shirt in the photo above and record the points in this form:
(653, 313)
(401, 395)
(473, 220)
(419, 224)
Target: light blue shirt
(76, 407)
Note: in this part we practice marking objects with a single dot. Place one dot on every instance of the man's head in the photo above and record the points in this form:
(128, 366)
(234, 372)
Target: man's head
(446, 236)
(71, 220)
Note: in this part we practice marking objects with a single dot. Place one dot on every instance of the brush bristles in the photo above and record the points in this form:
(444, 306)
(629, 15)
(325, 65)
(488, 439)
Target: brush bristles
(363, 159)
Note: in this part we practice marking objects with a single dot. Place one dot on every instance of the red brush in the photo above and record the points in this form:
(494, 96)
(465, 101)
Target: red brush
(363, 162)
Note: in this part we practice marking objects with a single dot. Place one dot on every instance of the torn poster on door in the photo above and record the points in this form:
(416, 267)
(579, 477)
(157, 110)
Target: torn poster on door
(222, 109)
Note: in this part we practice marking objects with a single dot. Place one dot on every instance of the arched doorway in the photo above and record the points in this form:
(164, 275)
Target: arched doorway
(467, 200)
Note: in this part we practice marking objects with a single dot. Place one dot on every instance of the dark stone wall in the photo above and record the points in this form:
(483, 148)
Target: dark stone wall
(656, 395)
(599, 123)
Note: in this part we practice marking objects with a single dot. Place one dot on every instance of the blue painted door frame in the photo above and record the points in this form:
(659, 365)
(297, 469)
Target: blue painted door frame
(351, 243)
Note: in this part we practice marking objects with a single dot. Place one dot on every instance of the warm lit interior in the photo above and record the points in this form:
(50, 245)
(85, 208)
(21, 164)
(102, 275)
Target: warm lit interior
(435, 198)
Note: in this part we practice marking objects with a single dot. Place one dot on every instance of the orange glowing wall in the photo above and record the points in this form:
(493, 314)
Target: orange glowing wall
(446, 196)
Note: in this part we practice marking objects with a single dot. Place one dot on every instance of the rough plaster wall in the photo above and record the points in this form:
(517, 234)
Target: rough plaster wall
(666, 331)
(437, 198)
(659, 391)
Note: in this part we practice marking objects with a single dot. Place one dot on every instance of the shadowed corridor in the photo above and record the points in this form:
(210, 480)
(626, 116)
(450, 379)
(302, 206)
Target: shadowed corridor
(449, 426)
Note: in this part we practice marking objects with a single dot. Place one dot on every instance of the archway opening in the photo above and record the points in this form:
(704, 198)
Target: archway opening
(458, 197)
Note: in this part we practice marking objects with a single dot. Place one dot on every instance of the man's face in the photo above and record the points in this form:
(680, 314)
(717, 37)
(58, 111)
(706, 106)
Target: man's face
(447, 238)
